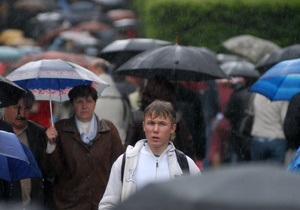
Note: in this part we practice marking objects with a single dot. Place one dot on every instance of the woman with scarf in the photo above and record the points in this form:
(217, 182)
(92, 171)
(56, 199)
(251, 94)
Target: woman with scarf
(80, 153)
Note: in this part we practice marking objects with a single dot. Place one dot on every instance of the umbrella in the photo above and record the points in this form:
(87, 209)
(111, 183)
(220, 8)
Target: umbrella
(223, 58)
(286, 53)
(91, 26)
(80, 38)
(250, 46)
(10, 93)
(10, 54)
(53, 79)
(80, 59)
(280, 82)
(118, 14)
(174, 62)
(16, 160)
(240, 69)
(242, 187)
(120, 51)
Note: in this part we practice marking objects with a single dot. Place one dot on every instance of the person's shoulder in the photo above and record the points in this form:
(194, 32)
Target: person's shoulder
(35, 125)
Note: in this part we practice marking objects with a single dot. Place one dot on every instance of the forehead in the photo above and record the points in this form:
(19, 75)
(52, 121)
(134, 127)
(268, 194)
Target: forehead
(154, 116)
(88, 97)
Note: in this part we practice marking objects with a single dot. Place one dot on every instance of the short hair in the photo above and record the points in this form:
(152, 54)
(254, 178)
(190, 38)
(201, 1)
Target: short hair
(28, 98)
(82, 91)
(161, 108)
(157, 88)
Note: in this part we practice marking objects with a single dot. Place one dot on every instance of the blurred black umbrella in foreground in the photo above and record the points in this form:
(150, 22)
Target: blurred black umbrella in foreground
(174, 62)
(120, 51)
(286, 53)
(10, 93)
(244, 187)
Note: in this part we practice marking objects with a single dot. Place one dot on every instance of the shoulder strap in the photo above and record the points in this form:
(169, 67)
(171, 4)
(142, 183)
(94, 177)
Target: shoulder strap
(182, 161)
(123, 166)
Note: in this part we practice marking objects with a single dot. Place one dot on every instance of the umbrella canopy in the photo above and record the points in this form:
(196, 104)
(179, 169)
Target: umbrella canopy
(16, 160)
(80, 59)
(120, 51)
(53, 79)
(223, 58)
(118, 14)
(250, 47)
(280, 82)
(242, 187)
(10, 93)
(286, 53)
(240, 69)
(10, 54)
(174, 62)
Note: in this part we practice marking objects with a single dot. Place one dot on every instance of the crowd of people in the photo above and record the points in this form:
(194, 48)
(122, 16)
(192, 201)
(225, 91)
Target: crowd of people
(102, 149)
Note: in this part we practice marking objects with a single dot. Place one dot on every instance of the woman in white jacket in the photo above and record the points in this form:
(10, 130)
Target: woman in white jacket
(151, 160)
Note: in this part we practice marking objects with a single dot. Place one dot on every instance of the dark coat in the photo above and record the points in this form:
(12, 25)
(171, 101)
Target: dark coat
(5, 126)
(291, 124)
(40, 188)
(80, 172)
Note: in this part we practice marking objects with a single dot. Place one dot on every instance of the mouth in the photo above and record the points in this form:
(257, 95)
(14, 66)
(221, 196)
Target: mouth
(19, 117)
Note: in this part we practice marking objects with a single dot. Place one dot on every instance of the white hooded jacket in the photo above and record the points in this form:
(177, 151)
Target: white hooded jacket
(118, 191)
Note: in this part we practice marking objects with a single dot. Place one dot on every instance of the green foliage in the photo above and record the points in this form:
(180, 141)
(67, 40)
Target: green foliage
(208, 23)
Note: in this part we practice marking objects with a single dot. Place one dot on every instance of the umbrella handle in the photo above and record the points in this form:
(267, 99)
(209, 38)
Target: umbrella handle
(50, 103)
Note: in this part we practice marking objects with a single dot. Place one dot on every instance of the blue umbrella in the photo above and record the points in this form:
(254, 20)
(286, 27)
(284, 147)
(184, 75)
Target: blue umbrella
(280, 82)
(16, 160)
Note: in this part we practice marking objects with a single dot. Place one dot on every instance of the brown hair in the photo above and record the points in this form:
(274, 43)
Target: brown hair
(158, 88)
(82, 91)
(161, 108)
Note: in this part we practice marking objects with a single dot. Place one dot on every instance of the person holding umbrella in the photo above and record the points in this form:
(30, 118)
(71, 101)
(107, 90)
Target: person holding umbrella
(153, 159)
(28, 193)
(80, 153)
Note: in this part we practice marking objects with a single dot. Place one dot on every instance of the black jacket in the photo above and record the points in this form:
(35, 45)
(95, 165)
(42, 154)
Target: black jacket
(11, 192)
(291, 126)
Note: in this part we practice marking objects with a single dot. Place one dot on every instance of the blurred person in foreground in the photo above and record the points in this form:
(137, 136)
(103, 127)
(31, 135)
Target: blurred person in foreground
(111, 105)
(80, 153)
(152, 159)
(34, 193)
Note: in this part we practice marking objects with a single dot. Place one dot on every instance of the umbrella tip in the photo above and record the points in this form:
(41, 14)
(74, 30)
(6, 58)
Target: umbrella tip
(176, 38)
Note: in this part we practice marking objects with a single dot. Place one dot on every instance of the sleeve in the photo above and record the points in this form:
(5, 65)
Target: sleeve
(113, 191)
(194, 169)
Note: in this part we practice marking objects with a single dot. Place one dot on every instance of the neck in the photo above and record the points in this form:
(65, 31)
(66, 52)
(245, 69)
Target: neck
(157, 151)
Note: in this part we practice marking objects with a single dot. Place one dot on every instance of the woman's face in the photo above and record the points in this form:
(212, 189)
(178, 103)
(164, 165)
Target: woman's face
(158, 131)
(84, 108)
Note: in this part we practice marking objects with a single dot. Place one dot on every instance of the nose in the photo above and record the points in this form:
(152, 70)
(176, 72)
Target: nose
(21, 113)
(156, 128)
(84, 105)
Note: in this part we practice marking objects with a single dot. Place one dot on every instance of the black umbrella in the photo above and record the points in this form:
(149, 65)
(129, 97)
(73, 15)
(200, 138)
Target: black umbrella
(174, 62)
(120, 51)
(244, 187)
(10, 93)
(286, 53)
(240, 69)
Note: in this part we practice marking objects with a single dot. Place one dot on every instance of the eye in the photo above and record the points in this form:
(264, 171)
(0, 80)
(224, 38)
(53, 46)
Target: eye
(150, 123)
